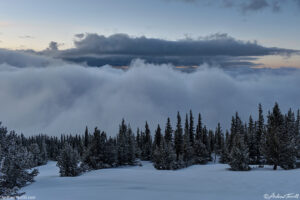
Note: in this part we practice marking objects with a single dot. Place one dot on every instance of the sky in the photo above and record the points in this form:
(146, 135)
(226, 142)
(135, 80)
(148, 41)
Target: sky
(68, 64)
(33, 24)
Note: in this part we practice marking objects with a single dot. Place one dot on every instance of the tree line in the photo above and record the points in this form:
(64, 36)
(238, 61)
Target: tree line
(274, 141)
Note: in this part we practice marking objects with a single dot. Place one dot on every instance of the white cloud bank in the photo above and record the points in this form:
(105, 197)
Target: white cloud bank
(64, 98)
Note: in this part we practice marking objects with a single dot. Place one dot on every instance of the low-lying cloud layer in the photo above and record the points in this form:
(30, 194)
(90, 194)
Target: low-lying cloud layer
(120, 49)
(64, 98)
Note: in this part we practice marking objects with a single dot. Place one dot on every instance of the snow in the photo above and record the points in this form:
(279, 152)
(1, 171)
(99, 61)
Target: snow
(208, 182)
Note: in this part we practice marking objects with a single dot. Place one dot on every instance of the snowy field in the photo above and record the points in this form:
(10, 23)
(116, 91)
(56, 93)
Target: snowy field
(201, 182)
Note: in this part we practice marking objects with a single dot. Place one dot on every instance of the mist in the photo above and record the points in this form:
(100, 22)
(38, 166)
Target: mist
(64, 98)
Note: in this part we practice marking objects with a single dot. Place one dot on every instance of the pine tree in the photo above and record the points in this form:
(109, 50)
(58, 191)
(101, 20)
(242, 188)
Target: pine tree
(259, 137)
(187, 145)
(122, 146)
(239, 156)
(178, 141)
(201, 155)
(86, 138)
(198, 135)
(131, 159)
(225, 157)
(95, 156)
(164, 156)
(288, 150)
(252, 143)
(274, 130)
(147, 144)
(297, 127)
(14, 166)
(191, 129)
(68, 162)
(219, 139)
(36, 156)
(168, 132)
(157, 137)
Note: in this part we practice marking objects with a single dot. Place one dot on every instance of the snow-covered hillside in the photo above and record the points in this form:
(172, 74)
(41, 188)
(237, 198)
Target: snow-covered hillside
(207, 182)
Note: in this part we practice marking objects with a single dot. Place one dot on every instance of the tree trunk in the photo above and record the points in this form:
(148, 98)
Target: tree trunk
(275, 167)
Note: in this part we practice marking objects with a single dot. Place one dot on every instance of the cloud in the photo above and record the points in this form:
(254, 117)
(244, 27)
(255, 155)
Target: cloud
(120, 49)
(64, 98)
(247, 6)
(27, 58)
(254, 5)
(53, 46)
(79, 35)
(26, 37)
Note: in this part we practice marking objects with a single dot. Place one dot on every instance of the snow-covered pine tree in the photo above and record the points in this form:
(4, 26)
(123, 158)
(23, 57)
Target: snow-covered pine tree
(164, 156)
(94, 157)
(288, 150)
(36, 156)
(275, 128)
(224, 157)
(239, 156)
(4, 190)
(201, 155)
(68, 162)
(252, 143)
(15, 172)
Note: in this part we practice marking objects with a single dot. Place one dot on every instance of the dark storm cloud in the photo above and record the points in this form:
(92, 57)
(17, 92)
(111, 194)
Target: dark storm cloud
(120, 49)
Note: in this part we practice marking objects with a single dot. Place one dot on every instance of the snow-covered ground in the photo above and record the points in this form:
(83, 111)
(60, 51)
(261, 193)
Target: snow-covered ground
(199, 182)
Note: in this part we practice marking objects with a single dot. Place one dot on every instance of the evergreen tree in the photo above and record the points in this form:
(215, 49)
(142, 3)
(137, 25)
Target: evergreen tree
(252, 143)
(274, 130)
(219, 139)
(201, 155)
(178, 141)
(168, 132)
(191, 129)
(225, 153)
(198, 135)
(86, 137)
(36, 156)
(14, 166)
(187, 145)
(297, 127)
(68, 162)
(164, 156)
(157, 137)
(259, 137)
(147, 143)
(288, 150)
(239, 156)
